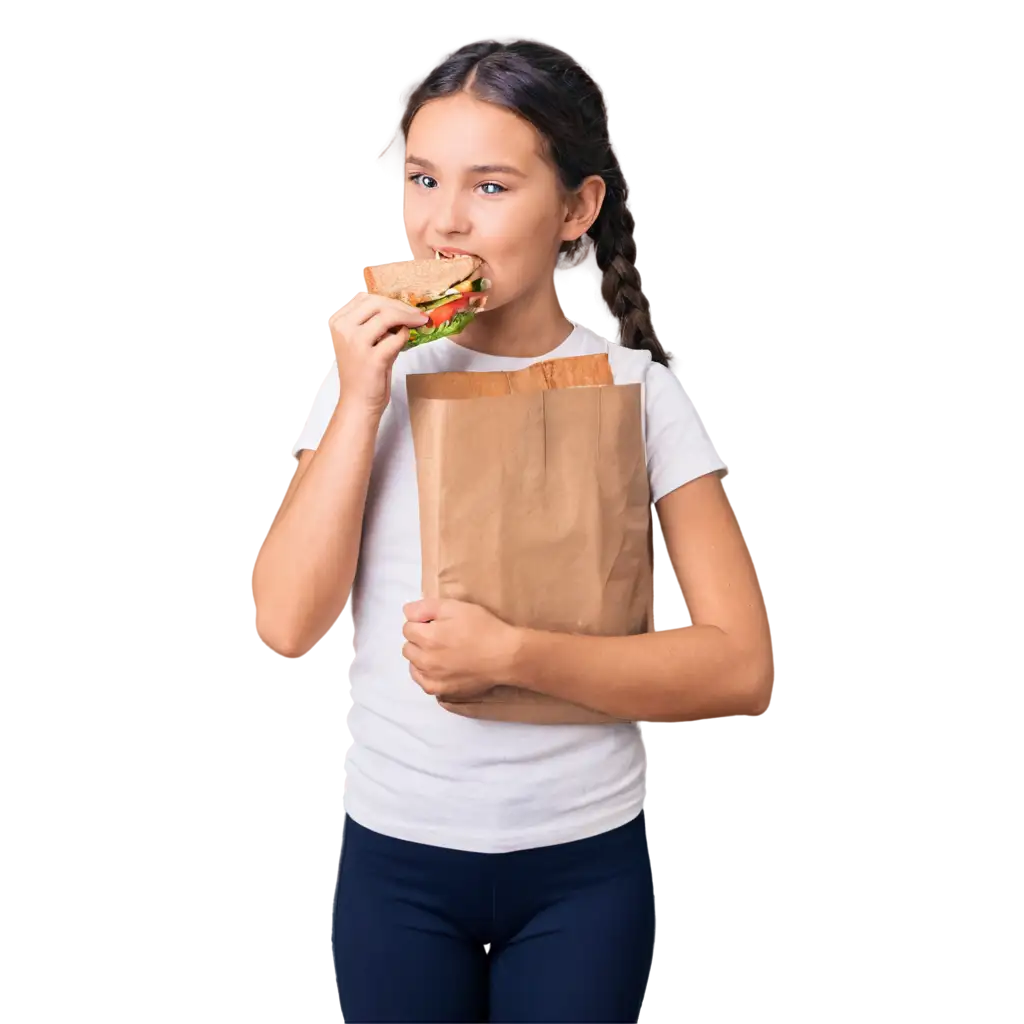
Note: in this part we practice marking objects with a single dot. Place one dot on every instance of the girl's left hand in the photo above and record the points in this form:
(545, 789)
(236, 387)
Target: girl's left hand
(456, 649)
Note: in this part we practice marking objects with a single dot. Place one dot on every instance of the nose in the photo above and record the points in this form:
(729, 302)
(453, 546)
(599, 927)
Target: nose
(451, 215)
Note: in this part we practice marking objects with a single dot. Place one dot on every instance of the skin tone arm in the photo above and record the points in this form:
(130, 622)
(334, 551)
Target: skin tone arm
(305, 569)
(721, 665)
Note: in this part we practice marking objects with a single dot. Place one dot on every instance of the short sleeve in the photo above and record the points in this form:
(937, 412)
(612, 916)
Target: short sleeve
(320, 414)
(678, 447)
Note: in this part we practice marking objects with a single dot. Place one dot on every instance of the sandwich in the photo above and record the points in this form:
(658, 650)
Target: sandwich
(448, 289)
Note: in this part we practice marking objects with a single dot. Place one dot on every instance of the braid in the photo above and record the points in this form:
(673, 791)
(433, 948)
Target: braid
(615, 251)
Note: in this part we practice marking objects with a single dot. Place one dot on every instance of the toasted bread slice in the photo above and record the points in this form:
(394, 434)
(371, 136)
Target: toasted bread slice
(416, 281)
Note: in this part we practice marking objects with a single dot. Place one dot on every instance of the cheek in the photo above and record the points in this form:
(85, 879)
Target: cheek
(416, 216)
(519, 241)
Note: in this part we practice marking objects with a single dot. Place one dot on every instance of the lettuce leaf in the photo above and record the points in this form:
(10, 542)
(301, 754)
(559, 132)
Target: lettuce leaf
(421, 335)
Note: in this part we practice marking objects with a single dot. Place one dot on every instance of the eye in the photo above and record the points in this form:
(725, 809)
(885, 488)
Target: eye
(413, 177)
(493, 184)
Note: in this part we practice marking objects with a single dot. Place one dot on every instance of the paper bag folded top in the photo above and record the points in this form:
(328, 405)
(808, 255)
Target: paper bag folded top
(535, 503)
(552, 374)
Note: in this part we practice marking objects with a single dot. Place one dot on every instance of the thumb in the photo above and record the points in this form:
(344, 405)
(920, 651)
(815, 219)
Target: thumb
(424, 610)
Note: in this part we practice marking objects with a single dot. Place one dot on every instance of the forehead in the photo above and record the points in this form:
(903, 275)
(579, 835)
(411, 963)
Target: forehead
(456, 132)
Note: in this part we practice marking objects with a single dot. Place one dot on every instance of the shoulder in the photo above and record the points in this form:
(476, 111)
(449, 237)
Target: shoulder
(678, 446)
(661, 386)
(637, 366)
(324, 402)
(628, 365)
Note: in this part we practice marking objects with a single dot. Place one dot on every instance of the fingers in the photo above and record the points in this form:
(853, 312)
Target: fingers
(368, 317)
(417, 658)
(419, 633)
(366, 311)
(354, 296)
(377, 321)
(385, 340)
(351, 315)
(429, 686)
(377, 305)
(367, 334)
(390, 344)
(423, 610)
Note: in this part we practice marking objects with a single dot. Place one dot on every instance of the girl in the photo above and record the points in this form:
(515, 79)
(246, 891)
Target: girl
(459, 833)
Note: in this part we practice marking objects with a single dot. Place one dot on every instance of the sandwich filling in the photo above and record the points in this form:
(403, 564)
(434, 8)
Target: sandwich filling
(451, 311)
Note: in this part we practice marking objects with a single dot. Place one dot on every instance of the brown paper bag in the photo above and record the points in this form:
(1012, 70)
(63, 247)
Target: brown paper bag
(535, 503)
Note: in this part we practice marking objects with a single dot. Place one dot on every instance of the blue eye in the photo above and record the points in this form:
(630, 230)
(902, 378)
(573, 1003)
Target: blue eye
(427, 178)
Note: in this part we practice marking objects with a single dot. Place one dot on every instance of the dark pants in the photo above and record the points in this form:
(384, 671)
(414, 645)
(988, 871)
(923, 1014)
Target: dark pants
(570, 928)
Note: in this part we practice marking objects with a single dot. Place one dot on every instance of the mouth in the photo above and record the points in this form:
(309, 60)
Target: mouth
(448, 254)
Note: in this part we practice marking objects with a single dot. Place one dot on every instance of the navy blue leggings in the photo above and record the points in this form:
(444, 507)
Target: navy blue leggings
(570, 928)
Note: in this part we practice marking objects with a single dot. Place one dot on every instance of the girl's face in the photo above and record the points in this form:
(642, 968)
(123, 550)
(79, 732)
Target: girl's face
(476, 182)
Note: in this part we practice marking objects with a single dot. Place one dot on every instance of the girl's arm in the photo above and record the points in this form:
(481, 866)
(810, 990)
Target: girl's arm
(305, 569)
(721, 665)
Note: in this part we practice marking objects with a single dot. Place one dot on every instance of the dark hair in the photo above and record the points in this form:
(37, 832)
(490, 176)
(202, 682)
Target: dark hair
(549, 89)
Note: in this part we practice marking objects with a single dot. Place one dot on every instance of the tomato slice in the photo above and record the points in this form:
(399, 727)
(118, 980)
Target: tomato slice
(447, 311)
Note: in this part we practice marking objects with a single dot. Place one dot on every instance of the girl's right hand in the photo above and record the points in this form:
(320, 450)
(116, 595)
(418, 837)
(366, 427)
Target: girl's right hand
(368, 333)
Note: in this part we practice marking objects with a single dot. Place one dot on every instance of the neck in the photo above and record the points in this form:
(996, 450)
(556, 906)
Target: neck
(529, 326)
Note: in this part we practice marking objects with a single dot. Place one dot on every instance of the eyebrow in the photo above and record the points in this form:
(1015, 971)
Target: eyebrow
(419, 161)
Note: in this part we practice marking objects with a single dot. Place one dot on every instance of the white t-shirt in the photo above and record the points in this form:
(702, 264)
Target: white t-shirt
(417, 772)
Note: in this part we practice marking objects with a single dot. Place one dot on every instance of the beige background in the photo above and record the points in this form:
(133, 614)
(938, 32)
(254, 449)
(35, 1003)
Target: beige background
(182, 197)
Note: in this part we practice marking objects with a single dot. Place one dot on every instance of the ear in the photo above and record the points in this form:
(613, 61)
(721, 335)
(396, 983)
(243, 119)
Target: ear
(583, 207)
